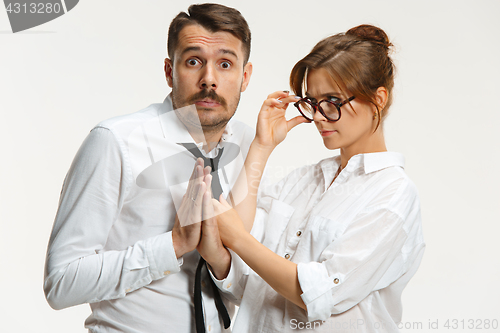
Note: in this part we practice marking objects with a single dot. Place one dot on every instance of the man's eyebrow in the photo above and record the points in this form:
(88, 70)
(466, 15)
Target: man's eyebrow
(227, 51)
(191, 48)
(197, 48)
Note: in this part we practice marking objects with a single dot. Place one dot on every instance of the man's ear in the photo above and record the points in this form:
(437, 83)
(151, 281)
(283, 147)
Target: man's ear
(247, 73)
(169, 69)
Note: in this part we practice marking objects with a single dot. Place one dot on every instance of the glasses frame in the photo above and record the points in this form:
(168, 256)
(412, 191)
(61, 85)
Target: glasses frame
(317, 107)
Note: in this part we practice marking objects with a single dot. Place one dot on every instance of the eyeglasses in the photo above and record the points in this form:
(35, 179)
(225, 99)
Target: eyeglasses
(328, 108)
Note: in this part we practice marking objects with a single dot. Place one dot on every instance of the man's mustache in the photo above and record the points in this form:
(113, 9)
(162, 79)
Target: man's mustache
(208, 94)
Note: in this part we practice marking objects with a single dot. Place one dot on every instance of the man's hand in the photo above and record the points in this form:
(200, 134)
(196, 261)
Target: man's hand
(187, 228)
(210, 246)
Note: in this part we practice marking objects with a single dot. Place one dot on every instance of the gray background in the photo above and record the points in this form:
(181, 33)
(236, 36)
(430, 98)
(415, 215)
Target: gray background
(105, 58)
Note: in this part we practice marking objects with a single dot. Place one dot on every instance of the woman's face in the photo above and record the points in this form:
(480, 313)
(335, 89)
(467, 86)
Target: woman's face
(354, 129)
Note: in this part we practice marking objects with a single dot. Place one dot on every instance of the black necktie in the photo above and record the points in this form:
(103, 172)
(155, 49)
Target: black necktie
(198, 305)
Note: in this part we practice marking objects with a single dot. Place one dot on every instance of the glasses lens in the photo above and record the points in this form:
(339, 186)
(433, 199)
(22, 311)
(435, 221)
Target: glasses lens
(306, 109)
(330, 110)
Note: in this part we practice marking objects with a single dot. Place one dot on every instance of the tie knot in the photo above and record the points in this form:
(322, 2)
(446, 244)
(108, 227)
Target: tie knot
(214, 164)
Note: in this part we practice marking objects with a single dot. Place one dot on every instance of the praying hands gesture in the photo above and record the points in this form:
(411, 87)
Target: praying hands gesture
(210, 246)
(195, 225)
(186, 233)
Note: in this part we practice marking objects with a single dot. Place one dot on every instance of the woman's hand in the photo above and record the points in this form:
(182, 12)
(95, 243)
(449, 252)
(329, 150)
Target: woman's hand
(231, 227)
(278, 272)
(272, 126)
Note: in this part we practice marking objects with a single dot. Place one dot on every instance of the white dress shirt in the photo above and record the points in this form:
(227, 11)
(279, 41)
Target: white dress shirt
(111, 244)
(356, 243)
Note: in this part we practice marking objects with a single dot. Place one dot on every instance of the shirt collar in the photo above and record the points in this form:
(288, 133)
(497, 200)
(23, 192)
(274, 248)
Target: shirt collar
(377, 161)
(369, 163)
(175, 131)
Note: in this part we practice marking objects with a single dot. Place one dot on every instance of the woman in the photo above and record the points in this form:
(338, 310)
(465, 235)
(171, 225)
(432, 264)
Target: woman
(339, 240)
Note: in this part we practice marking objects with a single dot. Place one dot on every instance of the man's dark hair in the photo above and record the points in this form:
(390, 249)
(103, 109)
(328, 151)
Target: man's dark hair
(214, 18)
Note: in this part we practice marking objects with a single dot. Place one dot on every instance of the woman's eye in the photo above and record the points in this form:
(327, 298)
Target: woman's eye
(225, 64)
(333, 99)
(193, 62)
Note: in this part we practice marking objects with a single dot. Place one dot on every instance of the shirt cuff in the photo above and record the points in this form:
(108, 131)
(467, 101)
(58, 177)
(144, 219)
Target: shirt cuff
(161, 256)
(317, 287)
(231, 284)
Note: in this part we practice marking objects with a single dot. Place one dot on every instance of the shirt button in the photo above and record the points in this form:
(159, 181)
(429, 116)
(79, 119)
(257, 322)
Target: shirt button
(166, 272)
(299, 233)
(287, 256)
(128, 290)
(209, 327)
(229, 285)
(336, 281)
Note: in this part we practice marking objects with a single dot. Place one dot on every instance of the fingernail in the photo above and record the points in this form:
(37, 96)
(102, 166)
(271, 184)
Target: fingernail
(286, 91)
(297, 97)
(279, 101)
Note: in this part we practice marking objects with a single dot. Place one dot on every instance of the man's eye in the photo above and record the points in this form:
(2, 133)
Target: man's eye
(225, 64)
(192, 62)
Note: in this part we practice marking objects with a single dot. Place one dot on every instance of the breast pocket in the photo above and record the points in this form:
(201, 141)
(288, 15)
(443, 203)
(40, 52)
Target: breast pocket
(321, 232)
(277, 220)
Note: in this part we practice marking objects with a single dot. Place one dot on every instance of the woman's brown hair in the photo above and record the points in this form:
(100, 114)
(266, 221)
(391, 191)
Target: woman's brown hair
(357, 60)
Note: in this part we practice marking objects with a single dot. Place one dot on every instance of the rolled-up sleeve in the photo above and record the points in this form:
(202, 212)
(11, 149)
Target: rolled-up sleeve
(77, 270)
(366, 257)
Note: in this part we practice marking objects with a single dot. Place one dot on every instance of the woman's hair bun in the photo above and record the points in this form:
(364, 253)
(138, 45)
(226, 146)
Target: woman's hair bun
(371, 33)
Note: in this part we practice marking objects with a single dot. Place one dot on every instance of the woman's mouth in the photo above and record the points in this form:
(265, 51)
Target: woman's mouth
(326, 132)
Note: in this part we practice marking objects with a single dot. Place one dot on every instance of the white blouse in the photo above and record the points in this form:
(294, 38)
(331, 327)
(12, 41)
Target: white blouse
(357, 243)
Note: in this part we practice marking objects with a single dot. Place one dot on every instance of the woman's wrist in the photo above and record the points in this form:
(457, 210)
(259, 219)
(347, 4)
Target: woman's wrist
(241, 241)
(262, 148)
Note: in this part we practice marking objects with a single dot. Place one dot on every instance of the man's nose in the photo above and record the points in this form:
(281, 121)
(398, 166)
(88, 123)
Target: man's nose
(209, 78)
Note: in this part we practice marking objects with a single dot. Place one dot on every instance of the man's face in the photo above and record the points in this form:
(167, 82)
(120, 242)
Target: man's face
(208, 71)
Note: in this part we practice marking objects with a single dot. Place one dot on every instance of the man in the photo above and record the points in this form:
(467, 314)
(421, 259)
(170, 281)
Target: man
(127, 226)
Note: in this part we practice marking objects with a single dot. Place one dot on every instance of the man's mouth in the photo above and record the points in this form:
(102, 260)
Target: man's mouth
(207, 103)
(207, 99)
